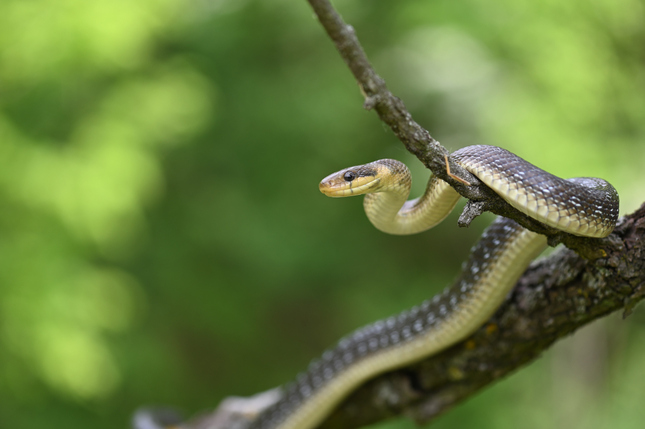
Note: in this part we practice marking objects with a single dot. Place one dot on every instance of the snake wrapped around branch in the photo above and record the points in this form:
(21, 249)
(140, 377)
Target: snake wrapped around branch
(580, 206)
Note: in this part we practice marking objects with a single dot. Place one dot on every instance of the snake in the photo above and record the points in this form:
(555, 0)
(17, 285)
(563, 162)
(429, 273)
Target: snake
(586, 207)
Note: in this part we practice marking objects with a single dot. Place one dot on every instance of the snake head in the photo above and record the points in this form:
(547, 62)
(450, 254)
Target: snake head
(357, 180)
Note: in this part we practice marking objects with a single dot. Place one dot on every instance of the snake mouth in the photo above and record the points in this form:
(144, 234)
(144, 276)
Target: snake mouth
(332, 187)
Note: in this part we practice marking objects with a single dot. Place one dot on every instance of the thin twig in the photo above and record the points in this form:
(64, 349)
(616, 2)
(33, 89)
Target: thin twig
(390, 109)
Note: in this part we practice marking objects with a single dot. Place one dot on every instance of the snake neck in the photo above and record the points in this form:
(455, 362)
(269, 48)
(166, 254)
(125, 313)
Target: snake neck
(382, 209)
(391, 212)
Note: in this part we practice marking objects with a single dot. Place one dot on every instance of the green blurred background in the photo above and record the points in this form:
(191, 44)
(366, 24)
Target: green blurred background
(162, 238)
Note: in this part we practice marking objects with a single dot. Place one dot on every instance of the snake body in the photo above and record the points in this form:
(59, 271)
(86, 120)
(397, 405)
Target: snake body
(582, 206)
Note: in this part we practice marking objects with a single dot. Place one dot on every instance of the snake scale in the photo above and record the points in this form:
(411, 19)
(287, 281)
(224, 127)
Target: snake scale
(581, 206)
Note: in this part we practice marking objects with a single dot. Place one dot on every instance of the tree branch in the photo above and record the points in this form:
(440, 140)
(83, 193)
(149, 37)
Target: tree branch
(553, 298)
(418, 140)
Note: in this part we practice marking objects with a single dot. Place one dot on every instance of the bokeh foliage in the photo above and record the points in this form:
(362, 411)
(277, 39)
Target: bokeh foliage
(162, 238)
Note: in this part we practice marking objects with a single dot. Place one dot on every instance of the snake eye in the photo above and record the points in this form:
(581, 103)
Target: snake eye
(349, 176)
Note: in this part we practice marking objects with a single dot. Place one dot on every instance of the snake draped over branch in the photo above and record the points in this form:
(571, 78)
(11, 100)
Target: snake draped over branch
(581, 206)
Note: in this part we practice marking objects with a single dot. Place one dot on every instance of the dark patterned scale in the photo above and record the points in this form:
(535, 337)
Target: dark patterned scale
(585, 206)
